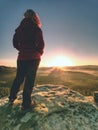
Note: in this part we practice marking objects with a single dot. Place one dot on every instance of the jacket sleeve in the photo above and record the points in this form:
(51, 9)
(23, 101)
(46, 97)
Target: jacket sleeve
(15, 41)
(39, 41)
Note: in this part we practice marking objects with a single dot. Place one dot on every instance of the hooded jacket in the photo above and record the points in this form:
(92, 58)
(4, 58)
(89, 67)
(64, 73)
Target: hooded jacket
(28, 40)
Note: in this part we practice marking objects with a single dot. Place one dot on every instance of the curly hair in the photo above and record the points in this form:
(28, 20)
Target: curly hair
(34, 16)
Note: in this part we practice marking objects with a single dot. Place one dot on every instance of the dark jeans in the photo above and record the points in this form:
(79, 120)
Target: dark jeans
(26, 71)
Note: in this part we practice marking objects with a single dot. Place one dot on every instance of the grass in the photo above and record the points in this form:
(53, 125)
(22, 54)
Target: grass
(83, 79)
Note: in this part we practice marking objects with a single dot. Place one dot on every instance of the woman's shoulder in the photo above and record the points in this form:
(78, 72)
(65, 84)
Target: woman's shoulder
(37, 28)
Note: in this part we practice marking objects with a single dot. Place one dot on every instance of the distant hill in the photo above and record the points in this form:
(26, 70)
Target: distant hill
(83, 79)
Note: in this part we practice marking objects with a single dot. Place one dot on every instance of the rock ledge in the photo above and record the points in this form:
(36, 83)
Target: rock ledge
(57, 108)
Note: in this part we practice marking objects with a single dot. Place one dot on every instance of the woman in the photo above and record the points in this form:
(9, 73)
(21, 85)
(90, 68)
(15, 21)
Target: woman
(28, 40)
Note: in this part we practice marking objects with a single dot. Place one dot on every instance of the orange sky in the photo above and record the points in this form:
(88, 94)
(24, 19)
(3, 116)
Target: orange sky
(57, 59)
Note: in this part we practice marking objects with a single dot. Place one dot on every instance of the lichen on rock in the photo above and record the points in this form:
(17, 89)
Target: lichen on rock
(57, 108)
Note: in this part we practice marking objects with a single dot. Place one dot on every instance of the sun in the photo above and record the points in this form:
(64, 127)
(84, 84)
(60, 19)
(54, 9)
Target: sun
(60, 61)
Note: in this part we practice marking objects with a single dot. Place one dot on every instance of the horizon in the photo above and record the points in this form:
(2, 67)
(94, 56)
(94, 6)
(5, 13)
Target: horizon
(59, 67)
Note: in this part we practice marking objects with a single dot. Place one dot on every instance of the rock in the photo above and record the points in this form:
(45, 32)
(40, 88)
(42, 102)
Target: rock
(57, 108)
(96, 96)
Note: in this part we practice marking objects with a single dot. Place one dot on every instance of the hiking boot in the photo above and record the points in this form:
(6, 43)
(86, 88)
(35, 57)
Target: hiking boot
(28, 107)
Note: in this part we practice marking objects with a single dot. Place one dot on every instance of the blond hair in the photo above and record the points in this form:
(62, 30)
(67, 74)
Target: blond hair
(34, 16)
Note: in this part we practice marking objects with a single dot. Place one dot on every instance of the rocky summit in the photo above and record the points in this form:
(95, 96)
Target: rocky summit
(57, 108)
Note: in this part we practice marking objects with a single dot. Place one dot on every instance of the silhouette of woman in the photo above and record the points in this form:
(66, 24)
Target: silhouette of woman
(28, 40)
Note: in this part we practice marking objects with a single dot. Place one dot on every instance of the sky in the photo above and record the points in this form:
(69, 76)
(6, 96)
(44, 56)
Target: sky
(70, 30)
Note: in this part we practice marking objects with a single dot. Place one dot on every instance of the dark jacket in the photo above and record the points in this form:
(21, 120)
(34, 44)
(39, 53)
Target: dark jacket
(28, 40)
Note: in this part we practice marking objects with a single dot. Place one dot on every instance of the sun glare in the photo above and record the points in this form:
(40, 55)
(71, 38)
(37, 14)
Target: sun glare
(60, 61)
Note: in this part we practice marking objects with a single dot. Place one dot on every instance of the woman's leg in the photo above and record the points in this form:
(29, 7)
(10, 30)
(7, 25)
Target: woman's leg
(29, 82)
(21, 70)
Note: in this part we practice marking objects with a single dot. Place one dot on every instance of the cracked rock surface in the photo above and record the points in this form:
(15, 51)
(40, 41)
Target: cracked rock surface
(56, 108)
